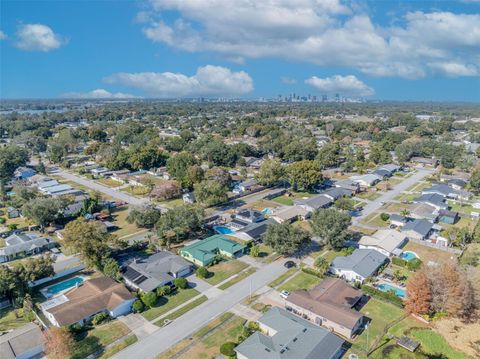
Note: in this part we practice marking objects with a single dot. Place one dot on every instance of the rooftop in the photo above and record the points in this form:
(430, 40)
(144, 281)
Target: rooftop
(364, 262)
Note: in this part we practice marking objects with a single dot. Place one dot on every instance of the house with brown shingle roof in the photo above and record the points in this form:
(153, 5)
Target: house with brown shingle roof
(330, 305)
(93, 296)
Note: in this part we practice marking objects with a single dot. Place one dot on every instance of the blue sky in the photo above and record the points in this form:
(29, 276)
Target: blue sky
(409, 50)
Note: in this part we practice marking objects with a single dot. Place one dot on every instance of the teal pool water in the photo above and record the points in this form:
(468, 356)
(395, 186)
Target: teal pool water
(399, 292)
(267, 211)
(408, 255)
(59, 287)
(223, 230)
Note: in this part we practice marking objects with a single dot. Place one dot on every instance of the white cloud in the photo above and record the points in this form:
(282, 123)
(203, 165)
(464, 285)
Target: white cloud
(208, 81)
(98, 94)
(37, 37)
(326, 33)
(288, 80)
(345, 85)
(3, 36)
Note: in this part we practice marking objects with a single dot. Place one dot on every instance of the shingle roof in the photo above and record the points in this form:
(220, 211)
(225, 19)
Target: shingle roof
(332, 299)
(256, 230)
(315, 202)
(364, 262)
(21, 242)
(20, 341)
(432, 198)
(295, 338)
(95, 295)
(421, 226)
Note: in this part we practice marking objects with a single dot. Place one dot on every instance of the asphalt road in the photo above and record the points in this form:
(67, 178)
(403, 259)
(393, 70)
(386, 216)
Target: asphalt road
(375, 204)
(186, 325)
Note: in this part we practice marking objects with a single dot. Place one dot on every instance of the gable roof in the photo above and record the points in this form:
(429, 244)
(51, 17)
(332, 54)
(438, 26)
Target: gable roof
(441, 189)
(95, 295)
(332, 299)
(294, 338)
(22, 242)
(337, 192)
(315, 202)
(20, 341)
(149, 273)
(290, 212)
(256, 230)
(387, 239)
(420, 226)
(389, 167)
(432, 198)
(364, 262)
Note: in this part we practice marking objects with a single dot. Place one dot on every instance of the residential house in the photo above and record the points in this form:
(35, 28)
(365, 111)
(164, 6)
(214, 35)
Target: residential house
(97, 295)
(313, 203)
(398, 220)
(253, 162)
(336, 193)
(367, 180)
(25, 342)
(290, 214)
(147, 274)
(441, 189)
(359, 265)
(237, 224)
(23, 173)
(245, 186)
(204, 252)
(250, 215)
(386, 241)
(432, 199)
(425, 162)
(423, 211)
(448, 217)
(13, 212)
(383, 173)
(329, 304)
(457, 184)
(348, 184)
(99, 170)
(463, 176)
(284, 335)
(24, 244)
(418, 229)
(254, 231)
(392, 168)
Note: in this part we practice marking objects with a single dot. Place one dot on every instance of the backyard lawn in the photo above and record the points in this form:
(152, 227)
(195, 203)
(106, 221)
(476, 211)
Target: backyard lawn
(300, 281)
(100, 336)
(167, 303)
(223, 270)
(428, 254)
(11, 319)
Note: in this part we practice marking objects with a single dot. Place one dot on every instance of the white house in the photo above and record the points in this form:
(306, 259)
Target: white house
(385, 241)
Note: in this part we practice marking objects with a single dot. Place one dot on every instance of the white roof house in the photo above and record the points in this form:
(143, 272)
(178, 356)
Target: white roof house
(367, 180)
(385, 241)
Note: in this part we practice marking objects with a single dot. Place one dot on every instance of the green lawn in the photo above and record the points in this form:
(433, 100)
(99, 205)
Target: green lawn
(283, 277)
(98, 337)
(301, 281)
(223, 270)
(171, 203)
(465, 208)
(370, 195)
(434, 344)
(167, 303)
(241, 276)
(375, 220)
(286, 201)
(137, 190)
(109, 182)
(183, 310)
(114, 349)
(124, 228)
(11, 319)
(332, 254)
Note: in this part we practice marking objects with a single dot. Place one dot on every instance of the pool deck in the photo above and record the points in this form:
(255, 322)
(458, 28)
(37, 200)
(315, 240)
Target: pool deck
(48, 295)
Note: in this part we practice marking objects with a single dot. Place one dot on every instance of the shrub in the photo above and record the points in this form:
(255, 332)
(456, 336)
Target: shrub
(399, 262)
(181, 283)
(2, 220)
(312, 272)
(384, 217)
(12, 227)
(99, 318)
(76, 328)
(255, 251)
(202, 272)
(138, 306)
(149, 299)
(413, 264)
(165, 290)
(227, 349)
(386, 296)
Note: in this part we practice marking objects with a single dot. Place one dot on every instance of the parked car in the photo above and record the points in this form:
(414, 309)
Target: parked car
(284, 294)
(289, 264)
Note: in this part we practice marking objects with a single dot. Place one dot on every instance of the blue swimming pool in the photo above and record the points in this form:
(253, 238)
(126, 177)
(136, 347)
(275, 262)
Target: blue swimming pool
(223, 230)
(267, 211)
(399, 292)
(407, 255)
(59, 287)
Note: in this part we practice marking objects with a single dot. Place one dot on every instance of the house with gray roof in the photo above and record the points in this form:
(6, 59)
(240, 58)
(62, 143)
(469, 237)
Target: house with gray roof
(155, 271)
(250, 215)
(423, 211)
(398, 220)
(359, 265)
(254, 231)
(391, 167)
(24, 244)
(348, 184)
(336, 193)
(284, 335)
(418, 229)
(441, 189)
(432, 199)
(25, 342)
(313, 203)
(382, 173)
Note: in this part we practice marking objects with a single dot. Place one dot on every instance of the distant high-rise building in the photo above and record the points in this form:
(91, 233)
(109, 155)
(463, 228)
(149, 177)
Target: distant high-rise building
(324, 98)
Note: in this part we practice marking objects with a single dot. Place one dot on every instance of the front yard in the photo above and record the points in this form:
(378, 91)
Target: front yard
(92, 340)
(169, 302)
(223, 270)
(300, 281)
(124, 228)
(12, 319)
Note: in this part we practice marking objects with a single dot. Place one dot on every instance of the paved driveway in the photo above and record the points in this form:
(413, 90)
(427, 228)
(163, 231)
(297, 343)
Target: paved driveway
(192, 321)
